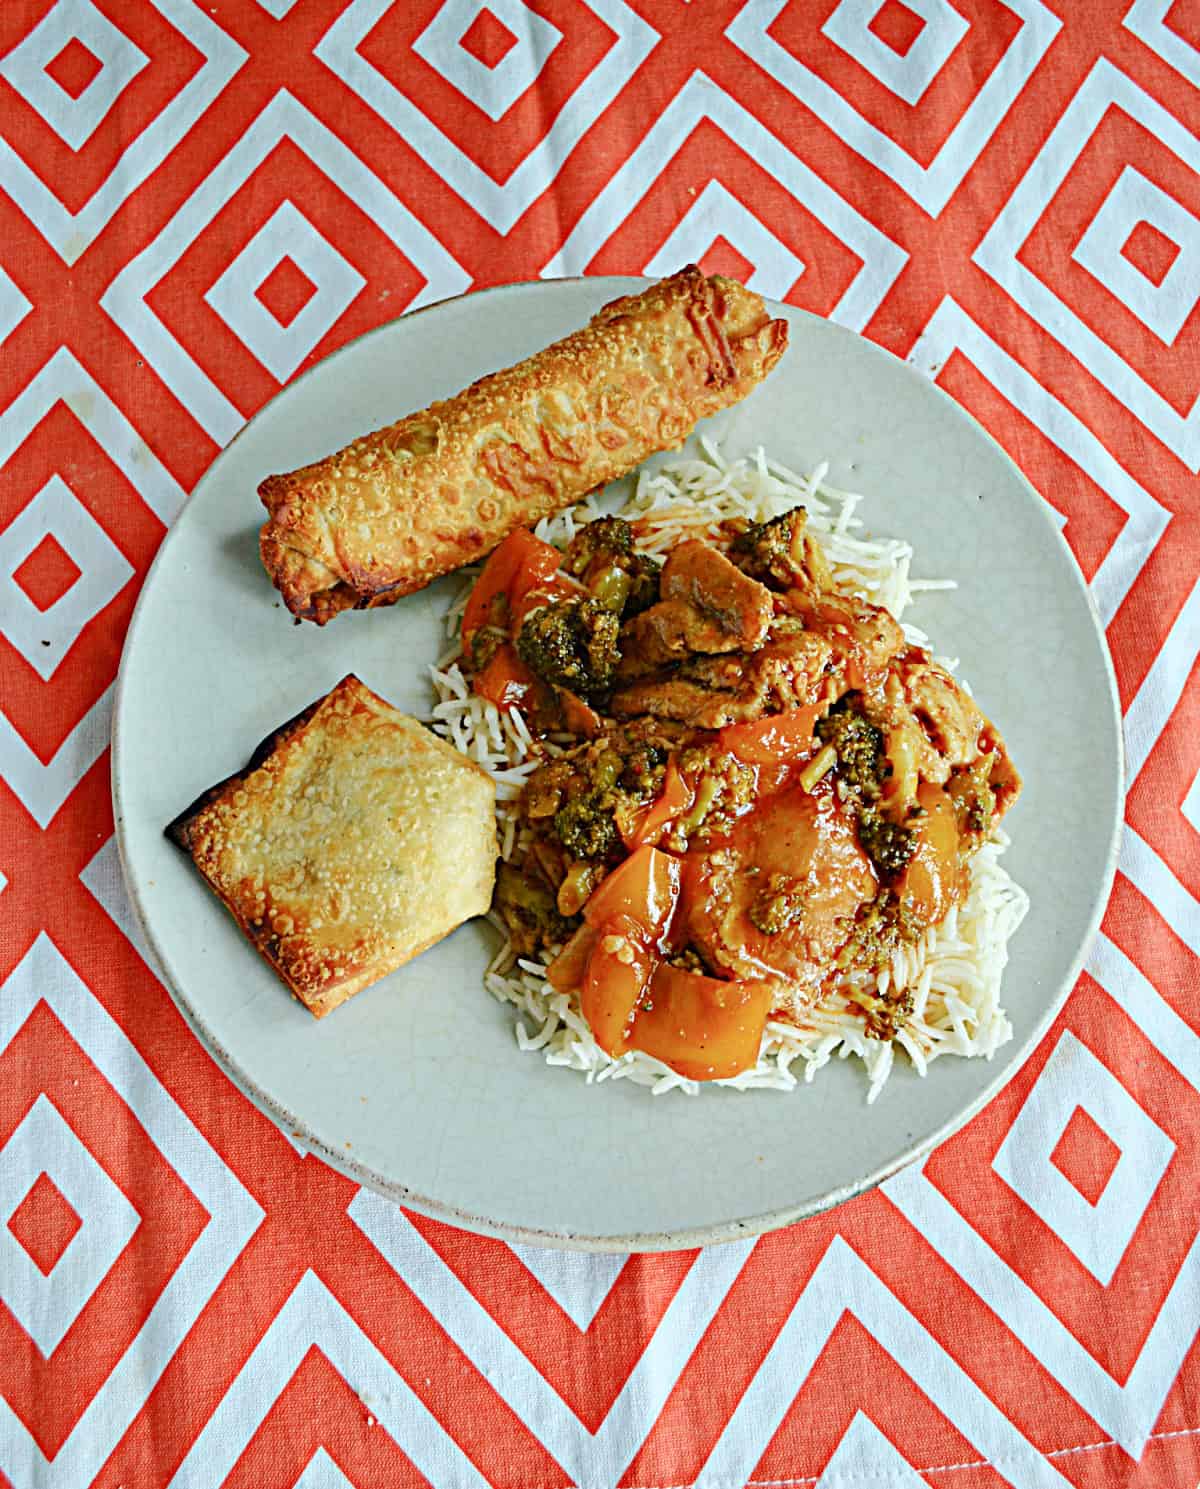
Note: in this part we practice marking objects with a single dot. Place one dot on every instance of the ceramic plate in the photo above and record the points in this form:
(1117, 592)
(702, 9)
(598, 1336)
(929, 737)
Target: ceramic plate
(417, 1087)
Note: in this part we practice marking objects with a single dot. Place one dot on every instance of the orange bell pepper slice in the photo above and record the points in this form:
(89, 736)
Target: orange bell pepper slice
(703, 1028)
(505, 680)
(782, 737)
(517, 566)
(644, 889)
(672, 801)
(618, 971)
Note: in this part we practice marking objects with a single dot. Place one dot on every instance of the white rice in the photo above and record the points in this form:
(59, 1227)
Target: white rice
(954, 971)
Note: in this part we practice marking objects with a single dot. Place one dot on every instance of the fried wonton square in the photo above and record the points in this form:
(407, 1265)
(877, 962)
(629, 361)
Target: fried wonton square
(353, 840)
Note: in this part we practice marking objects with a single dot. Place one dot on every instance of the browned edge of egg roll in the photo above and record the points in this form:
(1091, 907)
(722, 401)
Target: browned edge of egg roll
(397, 508)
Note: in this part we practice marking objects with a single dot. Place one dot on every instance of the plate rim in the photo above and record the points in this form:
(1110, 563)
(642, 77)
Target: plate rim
(650, 1241)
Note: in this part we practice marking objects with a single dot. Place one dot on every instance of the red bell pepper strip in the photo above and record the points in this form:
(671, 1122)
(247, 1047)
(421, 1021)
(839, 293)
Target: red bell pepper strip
(644, 889)
(517, 566)
(578, 717)
(783, 737)
(505, 680)
(566, 972)
(528, 591)
(931, 882)
(675, 798)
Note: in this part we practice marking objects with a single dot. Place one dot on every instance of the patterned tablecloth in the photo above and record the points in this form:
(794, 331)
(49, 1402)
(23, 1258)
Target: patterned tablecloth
(201, 199)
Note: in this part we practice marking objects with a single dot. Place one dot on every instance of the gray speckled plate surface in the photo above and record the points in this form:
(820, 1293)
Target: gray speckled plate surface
(417, 1087)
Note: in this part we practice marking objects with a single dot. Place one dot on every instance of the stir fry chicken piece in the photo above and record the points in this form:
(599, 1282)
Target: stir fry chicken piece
(679, 698)
(666, 633)
(708, 605)
(859, 633)
(711, 692)
(947, 714)
(702, 576)
(933, 731)
(815, 650)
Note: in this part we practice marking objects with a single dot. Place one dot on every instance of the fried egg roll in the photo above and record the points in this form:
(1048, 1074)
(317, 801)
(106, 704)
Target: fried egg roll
(394, 510)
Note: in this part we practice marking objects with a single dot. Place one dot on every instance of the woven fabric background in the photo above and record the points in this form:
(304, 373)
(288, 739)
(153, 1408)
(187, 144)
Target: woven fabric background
(199, 200)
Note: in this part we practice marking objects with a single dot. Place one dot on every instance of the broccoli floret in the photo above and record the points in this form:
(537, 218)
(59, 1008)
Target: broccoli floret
(572, 643)
(529, 910)
(862, 768)
(780, 554)
(585, 825)
(889, 845)
(723, 786)
(974, 800)
(587, 794)
(644, 769)
(880, 928)
(885, 1014)
(777, 905)
(644, 576)
(862, 763)
(609, 537)
(602, 555)
(764, 550)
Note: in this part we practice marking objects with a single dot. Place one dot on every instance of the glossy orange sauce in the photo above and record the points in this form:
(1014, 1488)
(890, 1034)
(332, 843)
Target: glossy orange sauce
(655, 903)
(804, 838)
(934, 879)
(703, 1027)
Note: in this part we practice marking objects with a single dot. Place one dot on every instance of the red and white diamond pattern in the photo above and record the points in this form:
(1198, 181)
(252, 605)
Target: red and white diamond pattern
(492, 86)
(1097, 1227)
(38, 174)
(533, 154)
(73, 1314)
(46, 1302)
(928, 166)
(74, 117)
(199, 201)
(281, 342)
(55, 514)
(1023, 241)
(739, 141)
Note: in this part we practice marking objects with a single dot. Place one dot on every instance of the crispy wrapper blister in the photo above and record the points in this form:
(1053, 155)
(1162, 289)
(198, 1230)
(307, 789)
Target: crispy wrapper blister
(394, 510)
